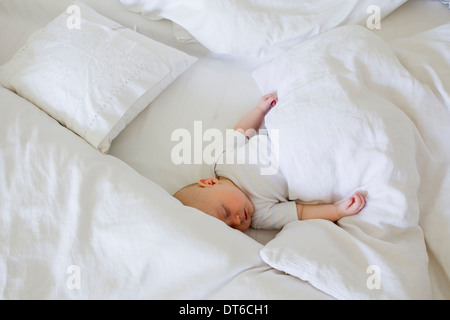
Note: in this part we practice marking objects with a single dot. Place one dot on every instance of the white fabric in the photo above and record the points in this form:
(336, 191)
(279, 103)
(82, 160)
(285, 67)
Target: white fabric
(253, 168)
(352, 116)
(218, 92)
(259, 28)
(92, 79)
(77, 224)
(446, 2)
(426, 57)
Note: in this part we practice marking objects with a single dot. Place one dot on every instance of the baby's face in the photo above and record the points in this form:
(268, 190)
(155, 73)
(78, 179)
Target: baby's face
(229, 204)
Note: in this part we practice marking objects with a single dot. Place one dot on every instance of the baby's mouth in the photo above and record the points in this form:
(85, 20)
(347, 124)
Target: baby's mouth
(245, 213)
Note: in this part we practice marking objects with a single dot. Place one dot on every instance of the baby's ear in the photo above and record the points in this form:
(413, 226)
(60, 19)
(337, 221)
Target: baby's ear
(208, 182)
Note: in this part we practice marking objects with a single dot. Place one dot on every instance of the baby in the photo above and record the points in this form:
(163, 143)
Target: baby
(241, 196)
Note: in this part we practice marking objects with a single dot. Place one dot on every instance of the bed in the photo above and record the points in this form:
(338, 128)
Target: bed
(86, 206)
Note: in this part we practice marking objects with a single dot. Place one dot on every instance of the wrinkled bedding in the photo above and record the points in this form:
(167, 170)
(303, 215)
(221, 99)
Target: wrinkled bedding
(259, 28)
(372, 115)
(77, 224)
(358, 114)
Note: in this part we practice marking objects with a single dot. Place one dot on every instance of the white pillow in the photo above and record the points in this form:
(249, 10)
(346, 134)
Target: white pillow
(260, 27)
(94, 79)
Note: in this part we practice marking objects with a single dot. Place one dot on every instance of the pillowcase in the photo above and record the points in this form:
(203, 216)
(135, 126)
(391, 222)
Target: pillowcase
(92, 75)
(259, 27)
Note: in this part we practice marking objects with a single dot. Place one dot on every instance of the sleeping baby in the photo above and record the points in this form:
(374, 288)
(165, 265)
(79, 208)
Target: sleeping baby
(241, 196)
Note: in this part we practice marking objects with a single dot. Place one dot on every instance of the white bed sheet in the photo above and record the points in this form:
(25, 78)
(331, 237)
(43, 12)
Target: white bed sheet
(215, 90)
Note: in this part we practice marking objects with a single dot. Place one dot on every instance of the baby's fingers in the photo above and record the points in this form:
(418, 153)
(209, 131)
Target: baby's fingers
(359, 201)
(270, 98)
(274, 102)
(267, 102)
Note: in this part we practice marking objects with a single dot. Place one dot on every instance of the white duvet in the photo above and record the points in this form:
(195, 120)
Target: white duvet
(76, 224)
(260, 28)
(358, 114)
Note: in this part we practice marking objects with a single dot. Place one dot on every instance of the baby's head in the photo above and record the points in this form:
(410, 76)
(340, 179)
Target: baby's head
(221, 199)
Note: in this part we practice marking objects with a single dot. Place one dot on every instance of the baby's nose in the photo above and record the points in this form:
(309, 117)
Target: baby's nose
(236, 219)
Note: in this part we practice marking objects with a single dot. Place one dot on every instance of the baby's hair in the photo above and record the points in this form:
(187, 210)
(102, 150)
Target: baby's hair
(191, 195)
(182, 190)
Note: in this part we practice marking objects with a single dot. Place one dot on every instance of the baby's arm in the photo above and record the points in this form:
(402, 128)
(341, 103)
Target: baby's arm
(255, 117)
(332, 212)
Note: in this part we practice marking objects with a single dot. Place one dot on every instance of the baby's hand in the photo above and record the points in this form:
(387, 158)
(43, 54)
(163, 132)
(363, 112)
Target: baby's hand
(351, 206)
(267, 102)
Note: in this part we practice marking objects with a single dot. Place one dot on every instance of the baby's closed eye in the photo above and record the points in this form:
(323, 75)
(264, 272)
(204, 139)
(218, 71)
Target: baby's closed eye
(226, 213)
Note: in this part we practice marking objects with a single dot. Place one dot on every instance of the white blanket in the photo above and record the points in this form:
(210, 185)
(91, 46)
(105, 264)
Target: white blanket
(260, 28)
(355, 116)
(76, 224)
